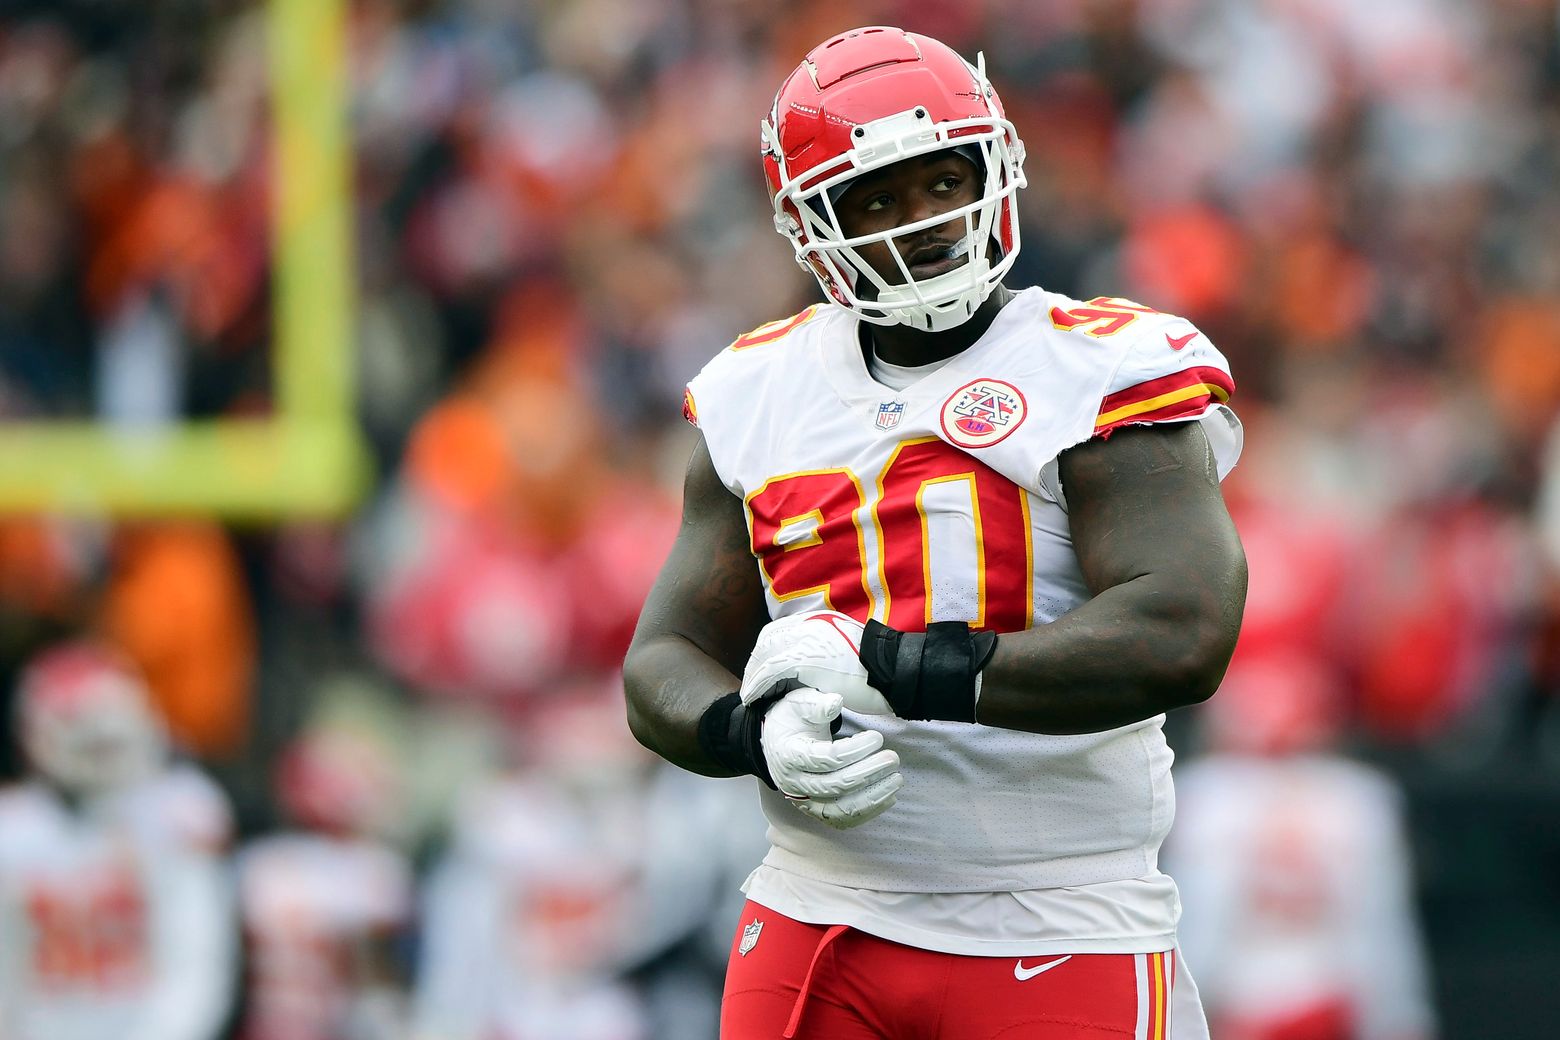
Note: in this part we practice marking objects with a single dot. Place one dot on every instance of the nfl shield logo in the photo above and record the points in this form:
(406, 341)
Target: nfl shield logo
(888, 414)
(749, 937)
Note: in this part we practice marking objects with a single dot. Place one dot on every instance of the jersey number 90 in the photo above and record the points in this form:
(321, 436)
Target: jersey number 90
(935, 535)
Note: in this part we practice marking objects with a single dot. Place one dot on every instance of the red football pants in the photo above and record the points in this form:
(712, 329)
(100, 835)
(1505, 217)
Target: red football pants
(816, 982)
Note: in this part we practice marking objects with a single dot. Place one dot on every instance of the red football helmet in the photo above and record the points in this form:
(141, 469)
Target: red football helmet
(87, 721)
(859, 102)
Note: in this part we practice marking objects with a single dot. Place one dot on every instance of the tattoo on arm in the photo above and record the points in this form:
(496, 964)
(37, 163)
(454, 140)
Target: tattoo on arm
(699, 622)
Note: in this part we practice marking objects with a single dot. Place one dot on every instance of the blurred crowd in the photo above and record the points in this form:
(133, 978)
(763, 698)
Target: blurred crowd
(559, 216)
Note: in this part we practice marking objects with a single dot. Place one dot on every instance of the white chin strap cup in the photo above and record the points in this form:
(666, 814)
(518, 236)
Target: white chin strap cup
(905, 304)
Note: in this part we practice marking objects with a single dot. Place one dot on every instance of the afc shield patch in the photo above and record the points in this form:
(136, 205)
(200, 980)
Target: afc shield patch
(749, 937)
(889, 413)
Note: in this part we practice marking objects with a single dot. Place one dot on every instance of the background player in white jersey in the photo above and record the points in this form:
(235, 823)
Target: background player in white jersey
(326, 903)
(990, 550)
(1296, 869)
(528, 916)
(116, 920)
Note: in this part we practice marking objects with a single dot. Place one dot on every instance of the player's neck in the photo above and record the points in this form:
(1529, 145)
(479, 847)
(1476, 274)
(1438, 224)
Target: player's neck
(911, 348)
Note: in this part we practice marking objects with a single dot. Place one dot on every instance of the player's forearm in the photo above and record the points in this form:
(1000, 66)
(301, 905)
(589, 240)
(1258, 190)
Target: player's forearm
(669, 683)
(1134, 651)
(698, 624)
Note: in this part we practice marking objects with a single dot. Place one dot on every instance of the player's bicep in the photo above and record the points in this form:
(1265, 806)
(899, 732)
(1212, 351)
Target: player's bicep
(708, 591)
(1146, 501)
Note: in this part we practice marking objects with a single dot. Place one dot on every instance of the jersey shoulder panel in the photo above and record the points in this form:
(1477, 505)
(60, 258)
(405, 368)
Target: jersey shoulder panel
(774, 331)
(742, 386)
(1051, 359)
(1166, 370)
(1146, 366)
(1103, 318)
(1080, 345)
(187, 808)
(752, 355)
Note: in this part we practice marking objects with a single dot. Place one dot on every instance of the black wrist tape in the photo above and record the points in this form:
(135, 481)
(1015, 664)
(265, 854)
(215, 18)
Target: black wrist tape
(731, 732)
(928, 675)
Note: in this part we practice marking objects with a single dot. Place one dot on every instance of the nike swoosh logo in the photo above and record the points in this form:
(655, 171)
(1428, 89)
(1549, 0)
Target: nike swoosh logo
(1023, 974)
(1177, 342)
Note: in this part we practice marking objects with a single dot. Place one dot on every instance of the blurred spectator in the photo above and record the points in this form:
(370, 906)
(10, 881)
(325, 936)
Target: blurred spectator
(511, 556)
(177, 603)
(702, 839)
(115, 912)
(1546, 660)
(588, 891)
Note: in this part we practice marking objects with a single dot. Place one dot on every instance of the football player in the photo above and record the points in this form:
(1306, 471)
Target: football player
(949, 553)
(116, 920)
(529, 914)
(326, 904)
(1296, 868)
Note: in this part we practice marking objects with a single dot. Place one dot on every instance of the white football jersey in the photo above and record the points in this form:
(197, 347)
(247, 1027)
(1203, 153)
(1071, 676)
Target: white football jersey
(526, 916)
(116, 919)
(1299, 886)
(941, 502)
(313, 908)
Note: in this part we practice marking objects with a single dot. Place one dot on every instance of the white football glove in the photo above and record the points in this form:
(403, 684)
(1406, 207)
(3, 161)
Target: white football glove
(820, 649)
(844, 782)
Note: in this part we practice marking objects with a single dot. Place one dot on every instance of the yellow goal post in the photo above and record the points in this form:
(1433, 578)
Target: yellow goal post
(308, 458)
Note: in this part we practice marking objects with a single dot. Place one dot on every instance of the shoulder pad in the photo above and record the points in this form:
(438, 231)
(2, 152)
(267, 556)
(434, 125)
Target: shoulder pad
(771, 332)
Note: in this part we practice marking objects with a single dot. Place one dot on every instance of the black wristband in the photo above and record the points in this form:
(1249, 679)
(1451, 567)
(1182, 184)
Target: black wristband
(928, 675)
(731, 733)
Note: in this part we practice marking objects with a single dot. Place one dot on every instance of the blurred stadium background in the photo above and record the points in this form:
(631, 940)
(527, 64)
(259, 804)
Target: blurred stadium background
(341, 354)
